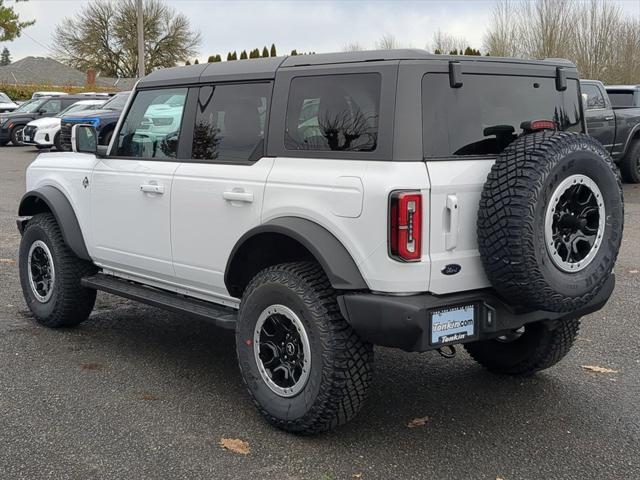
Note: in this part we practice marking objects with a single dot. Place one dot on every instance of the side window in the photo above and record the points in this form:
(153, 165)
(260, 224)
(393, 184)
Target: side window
(230, 122)
(333, 112)
(592, 96)
(52, 106)
(151, 128)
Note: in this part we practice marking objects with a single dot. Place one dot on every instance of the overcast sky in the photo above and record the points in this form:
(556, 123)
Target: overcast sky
(320, 26)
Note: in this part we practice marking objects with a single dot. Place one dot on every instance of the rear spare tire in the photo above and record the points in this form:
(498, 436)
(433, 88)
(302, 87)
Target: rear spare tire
(550, 221)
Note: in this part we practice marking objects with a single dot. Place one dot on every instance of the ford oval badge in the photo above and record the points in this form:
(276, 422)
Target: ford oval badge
(451, 269)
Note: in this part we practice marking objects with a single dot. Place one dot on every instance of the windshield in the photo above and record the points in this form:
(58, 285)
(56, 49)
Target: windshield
(117, 102)
(4, 98)
(30, 106)
(78, 107)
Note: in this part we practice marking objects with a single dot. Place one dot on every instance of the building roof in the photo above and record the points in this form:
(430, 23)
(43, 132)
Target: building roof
(47, 71)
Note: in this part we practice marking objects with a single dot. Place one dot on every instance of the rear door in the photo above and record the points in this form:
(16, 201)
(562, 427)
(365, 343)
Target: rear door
(463, 131)
(217, 194)
(601, 121)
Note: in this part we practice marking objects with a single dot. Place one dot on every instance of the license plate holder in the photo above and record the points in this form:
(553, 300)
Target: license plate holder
(451, 325)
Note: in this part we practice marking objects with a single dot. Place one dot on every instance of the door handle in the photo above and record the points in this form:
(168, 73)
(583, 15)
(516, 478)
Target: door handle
(451, 233)
(238, 196)
(152, 188)
(609, 118)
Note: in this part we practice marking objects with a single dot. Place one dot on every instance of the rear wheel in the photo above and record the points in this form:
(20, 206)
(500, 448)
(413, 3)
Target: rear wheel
(630, 164)
(304, 366)
(16, 135)
(527, 350)
(50, 275)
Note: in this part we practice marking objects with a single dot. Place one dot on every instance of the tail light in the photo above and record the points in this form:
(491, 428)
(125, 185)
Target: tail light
(405, 226)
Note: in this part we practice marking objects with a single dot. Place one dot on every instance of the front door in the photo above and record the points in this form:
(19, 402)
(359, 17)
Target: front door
(131, 189)
(217, 195)
(600, 118)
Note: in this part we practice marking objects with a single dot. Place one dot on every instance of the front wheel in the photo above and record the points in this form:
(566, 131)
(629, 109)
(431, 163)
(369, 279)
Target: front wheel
(630, 164)
(57, 142)
(50, 275)
(16, 135)
(529, 349)
(305, 368)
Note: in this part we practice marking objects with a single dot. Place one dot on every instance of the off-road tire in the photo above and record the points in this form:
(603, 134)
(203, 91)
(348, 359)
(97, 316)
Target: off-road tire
(70, 303)
(511, 220)
(57, 142)
(630, 164)
(16, 133)
(542, 345)
(341, 363)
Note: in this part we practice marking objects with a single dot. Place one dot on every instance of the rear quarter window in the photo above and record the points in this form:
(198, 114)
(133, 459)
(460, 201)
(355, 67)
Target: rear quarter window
(484, 115)
(621, 98)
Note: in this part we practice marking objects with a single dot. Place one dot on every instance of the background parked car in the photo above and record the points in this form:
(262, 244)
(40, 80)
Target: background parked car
(104, 120)
(45, 132)
(613, 118)
(48, 94)
(12, 124)
(6, 104)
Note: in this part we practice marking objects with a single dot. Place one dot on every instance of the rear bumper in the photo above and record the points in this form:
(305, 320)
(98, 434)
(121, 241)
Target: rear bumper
(404, 322)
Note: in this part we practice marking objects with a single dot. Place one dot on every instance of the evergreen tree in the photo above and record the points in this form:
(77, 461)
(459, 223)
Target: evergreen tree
(437, 52)
(211, 59)
(5, 57)
(255, 53)
(265, 52)
(454, 52)
(243, 55)
(196, 62)
(273, 50)
(187, 62)
(217, 58)
(294, 52)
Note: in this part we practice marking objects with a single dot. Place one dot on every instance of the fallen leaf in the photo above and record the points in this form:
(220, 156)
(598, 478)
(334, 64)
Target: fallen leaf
(9, 261)
(235, 445)
(595, 368)
(148, 397)
(418, 422)
(357, 475)
(90, 366)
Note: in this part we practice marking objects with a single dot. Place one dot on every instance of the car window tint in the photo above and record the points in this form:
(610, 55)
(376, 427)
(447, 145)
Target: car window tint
(333, 112)
(152, 126)
(230, 122)
(485, 114)
(592, 96)
(621, 98)
(52, 106)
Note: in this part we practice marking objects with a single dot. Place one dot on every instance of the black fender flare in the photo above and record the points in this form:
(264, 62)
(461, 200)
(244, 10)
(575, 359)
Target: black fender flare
(630, 139)
(61, 208)
(333, 257)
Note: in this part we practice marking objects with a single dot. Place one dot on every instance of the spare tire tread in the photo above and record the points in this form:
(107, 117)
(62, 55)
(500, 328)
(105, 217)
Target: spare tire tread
(509, 195)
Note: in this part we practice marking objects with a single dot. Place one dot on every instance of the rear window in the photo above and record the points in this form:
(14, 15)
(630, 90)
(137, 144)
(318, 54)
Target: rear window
(484, 116)
(333, 112)
(621, 98)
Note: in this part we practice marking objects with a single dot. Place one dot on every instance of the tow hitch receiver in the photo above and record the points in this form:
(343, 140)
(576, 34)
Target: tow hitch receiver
(448, 351)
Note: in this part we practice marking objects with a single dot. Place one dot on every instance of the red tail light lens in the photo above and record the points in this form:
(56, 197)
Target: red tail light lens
(405, 226)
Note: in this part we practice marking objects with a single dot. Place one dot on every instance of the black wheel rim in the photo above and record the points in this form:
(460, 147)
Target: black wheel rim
(41, 271)
(574, 223)
(282, 350)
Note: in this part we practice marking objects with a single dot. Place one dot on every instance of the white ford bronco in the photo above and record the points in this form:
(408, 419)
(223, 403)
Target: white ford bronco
(319, 205)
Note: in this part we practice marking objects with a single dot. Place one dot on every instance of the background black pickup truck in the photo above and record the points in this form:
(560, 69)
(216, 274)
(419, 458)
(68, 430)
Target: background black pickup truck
(613, 117)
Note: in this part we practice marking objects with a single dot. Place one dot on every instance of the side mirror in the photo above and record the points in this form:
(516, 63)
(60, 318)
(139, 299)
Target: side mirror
(84, 139)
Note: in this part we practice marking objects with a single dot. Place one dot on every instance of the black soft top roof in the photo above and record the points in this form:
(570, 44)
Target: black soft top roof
(266, 68)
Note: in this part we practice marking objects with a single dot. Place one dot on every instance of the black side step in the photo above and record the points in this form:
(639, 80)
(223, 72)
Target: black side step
(224, 317)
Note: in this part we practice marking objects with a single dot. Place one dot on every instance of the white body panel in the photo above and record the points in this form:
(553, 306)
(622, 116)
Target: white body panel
(350, 199)
(212, 206)
(453, 237)
(130, 222)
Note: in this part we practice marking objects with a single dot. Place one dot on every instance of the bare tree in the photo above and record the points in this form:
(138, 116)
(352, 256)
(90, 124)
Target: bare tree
(353, 47)
(387, 42)
(502, 39)
(445, 43)
(100, 36)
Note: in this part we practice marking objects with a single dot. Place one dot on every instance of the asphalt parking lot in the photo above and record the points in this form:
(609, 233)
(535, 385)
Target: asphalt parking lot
(138, 393)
